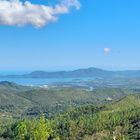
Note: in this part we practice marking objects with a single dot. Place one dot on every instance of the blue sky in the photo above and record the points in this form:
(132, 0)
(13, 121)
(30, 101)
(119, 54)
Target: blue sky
(77, 39)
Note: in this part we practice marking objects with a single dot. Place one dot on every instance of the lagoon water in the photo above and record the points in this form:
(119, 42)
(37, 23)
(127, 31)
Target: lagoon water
(44, 81)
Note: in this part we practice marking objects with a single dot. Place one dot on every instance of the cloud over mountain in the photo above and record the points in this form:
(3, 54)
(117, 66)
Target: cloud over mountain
(17, 13)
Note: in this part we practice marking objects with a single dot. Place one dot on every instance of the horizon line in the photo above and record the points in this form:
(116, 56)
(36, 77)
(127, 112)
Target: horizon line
(66, 70)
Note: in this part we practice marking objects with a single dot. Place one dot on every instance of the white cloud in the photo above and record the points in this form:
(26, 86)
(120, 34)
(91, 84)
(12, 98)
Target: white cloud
(17, 13)
(107, 50)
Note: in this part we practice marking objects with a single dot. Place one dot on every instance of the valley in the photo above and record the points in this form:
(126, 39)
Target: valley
(80, 108)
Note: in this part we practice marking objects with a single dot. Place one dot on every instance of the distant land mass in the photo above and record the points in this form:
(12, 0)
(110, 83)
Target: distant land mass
(89, 72)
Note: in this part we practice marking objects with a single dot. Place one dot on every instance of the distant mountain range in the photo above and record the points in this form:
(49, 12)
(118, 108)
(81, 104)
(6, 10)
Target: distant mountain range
(89, 72)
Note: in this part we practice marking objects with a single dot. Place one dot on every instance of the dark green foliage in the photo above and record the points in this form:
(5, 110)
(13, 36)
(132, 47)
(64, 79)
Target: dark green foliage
(118, 119)
(22, 101)
(134, 130)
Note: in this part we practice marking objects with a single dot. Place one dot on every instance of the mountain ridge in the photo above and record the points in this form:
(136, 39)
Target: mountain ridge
(88, 72)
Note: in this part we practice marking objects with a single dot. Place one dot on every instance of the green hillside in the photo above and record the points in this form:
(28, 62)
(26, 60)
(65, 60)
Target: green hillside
(34, 101)
(119, 120)
(68, 113)
(9, 100)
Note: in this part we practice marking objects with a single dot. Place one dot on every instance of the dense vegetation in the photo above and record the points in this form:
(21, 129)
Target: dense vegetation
(119, 120)
(21, 101)
(30, 113)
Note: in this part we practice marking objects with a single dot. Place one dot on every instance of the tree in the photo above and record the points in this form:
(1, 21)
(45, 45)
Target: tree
(42, 130)
(21, 130)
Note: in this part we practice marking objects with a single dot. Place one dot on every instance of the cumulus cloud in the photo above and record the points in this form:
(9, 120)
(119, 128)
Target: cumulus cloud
(17, 13)
(107, 50)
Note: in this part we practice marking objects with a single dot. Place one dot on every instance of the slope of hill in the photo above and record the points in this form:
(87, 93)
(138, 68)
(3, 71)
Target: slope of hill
(9, 100)
(33, 101)
(119, 120)
(99, 114)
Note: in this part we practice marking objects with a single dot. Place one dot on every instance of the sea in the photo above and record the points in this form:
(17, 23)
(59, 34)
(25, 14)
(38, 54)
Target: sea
(45, 81)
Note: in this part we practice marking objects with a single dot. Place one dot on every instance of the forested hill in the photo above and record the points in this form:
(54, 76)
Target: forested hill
(89, 72)
(119, 121)
(68, 113)
(23, 100)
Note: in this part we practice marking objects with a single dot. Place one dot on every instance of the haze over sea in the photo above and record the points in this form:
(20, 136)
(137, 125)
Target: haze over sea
(42, 81)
